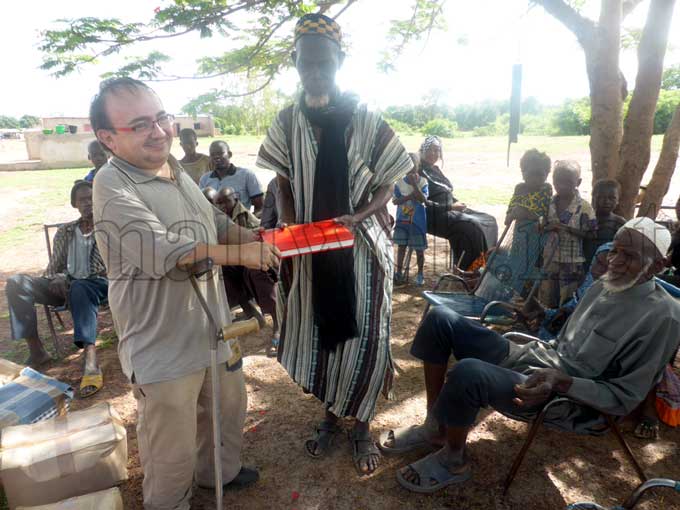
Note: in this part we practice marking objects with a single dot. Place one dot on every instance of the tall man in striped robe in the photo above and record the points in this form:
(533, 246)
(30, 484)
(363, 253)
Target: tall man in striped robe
(335, 159)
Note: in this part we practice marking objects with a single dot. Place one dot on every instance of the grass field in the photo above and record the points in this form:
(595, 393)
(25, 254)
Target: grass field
(476, 166)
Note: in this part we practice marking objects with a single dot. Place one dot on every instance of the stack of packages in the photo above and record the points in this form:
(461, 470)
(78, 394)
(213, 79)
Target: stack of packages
(77, 454)
(50, 460)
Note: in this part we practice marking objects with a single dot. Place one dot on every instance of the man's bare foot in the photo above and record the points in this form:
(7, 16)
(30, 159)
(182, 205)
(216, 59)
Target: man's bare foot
(37, 354)
(425, 433)
(365, 454)
(38, 360)
(92, 380)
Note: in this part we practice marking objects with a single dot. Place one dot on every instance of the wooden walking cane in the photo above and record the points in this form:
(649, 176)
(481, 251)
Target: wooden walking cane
(222, 334)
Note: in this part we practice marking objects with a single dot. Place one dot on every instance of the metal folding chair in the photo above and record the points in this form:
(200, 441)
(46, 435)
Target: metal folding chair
(634, 498)
(510, 266)
(611, 425)
(56, 310)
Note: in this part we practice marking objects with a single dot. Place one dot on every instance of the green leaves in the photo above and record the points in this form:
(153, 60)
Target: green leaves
(426, 16)
(261, 31)
(670, 80)
(146, 68)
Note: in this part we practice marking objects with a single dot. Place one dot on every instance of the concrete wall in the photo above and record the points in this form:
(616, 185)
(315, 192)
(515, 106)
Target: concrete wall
(83, 123)
(206, 123)
(58, 151)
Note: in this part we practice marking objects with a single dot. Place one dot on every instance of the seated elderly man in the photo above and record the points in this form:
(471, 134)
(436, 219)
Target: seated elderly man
(77, 276)
(607, 356)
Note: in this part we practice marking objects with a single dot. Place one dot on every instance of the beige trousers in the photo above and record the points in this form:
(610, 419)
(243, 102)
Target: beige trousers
(174, 433)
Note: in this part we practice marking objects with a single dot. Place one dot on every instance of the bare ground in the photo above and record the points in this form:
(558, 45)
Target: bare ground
(559, 469)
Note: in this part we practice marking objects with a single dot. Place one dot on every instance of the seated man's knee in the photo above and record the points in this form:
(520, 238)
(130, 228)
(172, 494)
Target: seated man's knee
(434, 339)
(467, 371)
(13, 283)
(439, 316)
(17, 284)
(79, 292)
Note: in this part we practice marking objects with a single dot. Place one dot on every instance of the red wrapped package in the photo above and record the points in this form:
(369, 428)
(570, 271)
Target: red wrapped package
(309, 238)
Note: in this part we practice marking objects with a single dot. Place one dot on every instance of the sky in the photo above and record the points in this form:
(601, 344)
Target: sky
(499, 33)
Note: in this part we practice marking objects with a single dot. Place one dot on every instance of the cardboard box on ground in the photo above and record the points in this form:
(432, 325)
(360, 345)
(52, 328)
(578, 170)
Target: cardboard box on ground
(8, 371)
(52, 460)
(103, 500)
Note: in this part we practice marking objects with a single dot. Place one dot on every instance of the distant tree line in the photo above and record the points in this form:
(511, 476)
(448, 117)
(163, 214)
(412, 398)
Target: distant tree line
(24, 122)
(491, 118)
(252, 114)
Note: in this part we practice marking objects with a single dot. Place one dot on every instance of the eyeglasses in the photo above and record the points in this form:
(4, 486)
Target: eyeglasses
(146, 126)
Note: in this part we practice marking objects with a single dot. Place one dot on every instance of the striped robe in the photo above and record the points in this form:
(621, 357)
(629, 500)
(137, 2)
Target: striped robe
(349, 378)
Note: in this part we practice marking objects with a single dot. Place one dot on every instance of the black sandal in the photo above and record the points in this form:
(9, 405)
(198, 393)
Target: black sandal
(357, 456)
(325, 435)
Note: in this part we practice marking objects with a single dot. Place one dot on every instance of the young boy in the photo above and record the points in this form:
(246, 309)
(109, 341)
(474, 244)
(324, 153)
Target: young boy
(572, 220)
(605, 199)
(195, 164)
(531, 198)
(97, 156)
(410, 195)
(245, 285)
(225, 200)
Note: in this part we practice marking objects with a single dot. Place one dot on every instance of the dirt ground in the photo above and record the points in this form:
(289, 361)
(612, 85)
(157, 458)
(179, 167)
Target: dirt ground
(559, 469)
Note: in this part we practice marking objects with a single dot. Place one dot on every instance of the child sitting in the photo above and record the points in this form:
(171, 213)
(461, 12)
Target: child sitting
(605, 199)
(571, 219)
(227, 201)
(410, 194)
(531, 198)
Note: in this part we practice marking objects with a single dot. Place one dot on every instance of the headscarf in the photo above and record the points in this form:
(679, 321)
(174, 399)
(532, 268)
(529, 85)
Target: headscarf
(318, 24)
(429, 141)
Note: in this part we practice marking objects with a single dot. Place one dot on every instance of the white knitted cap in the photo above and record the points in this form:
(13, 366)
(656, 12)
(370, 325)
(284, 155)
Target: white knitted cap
(657, 234)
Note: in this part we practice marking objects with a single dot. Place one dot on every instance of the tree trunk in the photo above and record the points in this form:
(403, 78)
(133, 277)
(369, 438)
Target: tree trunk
(639, 125)
(661, 178)
(602, 64)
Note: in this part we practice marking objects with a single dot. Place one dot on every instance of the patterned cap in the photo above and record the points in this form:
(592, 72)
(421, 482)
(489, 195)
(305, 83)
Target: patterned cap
(318, 24)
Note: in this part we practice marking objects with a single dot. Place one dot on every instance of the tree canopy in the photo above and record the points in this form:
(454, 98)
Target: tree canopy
(262, 30)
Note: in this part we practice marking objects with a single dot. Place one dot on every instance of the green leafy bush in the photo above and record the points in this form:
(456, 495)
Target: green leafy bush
(440, 127)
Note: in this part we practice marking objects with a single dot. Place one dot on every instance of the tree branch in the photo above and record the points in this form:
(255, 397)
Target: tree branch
(582, 27)
(256, 50)
(349, 4)
(629, 6)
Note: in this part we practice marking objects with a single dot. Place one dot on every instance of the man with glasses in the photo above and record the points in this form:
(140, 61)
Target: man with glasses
(152, 221)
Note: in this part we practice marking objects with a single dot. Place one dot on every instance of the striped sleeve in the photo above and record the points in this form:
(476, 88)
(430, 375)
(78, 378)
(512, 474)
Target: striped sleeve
(273, 154)
(389, 158)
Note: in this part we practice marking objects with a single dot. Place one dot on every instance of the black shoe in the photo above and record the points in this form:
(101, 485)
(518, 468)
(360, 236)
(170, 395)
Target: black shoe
(245, 478)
